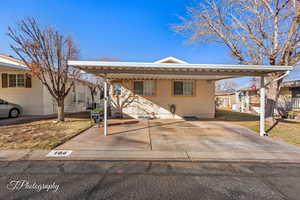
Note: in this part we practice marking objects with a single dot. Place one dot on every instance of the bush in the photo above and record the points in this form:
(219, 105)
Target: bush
(292, 113)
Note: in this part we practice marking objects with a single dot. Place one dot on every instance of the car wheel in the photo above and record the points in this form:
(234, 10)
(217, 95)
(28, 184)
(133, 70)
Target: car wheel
(14, 113)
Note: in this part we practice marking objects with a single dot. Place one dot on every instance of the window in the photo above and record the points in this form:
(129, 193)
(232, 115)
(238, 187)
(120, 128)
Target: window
(183, 88)
(81, 97)
(296, 92)
(138, 87)
(2, 101)
(16, 80)
(144, 88)
(12, 80)
(20, 80)
(117, 89)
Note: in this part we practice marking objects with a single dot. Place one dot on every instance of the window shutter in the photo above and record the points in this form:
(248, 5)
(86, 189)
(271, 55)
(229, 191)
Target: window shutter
(4, 80)
(28, 81)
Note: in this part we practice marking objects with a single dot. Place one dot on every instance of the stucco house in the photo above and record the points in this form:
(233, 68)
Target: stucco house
(18, 86)
(170, 87)
(165, 98)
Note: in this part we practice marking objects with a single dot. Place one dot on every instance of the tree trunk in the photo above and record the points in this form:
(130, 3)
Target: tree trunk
(61, 110)
(93, 101)
(272, 98)
(121, 113)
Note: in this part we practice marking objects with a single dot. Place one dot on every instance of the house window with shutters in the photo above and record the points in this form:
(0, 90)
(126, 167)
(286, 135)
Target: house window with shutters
(16, 80)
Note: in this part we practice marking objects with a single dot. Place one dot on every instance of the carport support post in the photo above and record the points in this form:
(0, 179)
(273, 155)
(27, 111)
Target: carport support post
(105, 106)
(262, 106)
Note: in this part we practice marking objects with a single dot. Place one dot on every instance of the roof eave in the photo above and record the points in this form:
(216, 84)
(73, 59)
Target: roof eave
(13, 66)
(97, 64)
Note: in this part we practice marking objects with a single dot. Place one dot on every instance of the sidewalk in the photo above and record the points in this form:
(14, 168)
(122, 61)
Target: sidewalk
(121, 155)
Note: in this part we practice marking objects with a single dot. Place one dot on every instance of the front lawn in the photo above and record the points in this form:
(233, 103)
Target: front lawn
(288, 130)
(43, 134)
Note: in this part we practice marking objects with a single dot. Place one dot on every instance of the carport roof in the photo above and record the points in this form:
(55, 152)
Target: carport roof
(143, 70)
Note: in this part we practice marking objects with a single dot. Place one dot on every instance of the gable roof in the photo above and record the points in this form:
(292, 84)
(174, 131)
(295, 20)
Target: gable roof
(10, 63)
(10, 59)
(171, 59)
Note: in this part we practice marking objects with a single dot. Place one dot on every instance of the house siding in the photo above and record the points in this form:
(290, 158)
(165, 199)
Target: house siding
(29, 98)
(81, 94)
(201, 104)
(38, 101)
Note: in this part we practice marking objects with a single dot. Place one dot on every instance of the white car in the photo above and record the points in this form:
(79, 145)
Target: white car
(8, 109)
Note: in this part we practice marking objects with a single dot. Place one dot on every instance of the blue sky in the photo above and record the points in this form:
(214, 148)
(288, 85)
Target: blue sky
(133, 30)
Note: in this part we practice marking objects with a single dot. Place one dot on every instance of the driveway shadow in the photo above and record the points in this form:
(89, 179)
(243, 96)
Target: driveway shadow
(158, 124)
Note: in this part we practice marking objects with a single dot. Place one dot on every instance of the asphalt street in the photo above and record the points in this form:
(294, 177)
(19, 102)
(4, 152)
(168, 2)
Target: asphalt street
(148, 180)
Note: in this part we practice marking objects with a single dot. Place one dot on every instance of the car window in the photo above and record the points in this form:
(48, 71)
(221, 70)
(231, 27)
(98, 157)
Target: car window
(2, 101)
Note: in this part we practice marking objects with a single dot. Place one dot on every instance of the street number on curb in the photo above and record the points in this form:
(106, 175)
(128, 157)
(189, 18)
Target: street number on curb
(59, 153)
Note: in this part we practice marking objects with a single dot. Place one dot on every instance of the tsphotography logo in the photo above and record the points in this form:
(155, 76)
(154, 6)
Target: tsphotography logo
(16, 185)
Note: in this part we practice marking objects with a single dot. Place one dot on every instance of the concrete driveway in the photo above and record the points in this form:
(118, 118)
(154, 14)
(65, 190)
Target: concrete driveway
(198, 139)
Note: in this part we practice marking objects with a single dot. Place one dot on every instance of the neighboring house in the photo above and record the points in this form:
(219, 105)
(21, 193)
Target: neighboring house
(168, 88)
(18, 86)
(225, 99)
(290, 95)
(247, 99)
(242, 100)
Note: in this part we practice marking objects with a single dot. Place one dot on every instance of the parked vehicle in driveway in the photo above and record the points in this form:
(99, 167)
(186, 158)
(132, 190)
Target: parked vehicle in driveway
(8, 109)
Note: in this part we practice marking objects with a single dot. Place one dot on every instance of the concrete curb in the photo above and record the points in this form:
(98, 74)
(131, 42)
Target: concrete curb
(278, 157)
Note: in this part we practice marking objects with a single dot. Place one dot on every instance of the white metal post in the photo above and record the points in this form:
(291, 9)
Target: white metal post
(262, 106)
(105, 106)
(247, 101)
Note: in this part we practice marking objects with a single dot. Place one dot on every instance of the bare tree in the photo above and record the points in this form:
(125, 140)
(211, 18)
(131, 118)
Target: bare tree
(226, 85)
(96, 87)
(122, 97)
(46, 52)
(255, 32)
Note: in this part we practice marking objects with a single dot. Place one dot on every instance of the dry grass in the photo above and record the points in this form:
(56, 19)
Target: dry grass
(287, 130)
(44, 134)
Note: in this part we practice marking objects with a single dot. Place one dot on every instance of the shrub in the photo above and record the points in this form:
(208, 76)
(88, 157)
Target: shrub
(292, 113)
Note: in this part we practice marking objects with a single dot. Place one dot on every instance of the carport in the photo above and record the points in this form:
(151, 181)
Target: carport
(179, 71)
